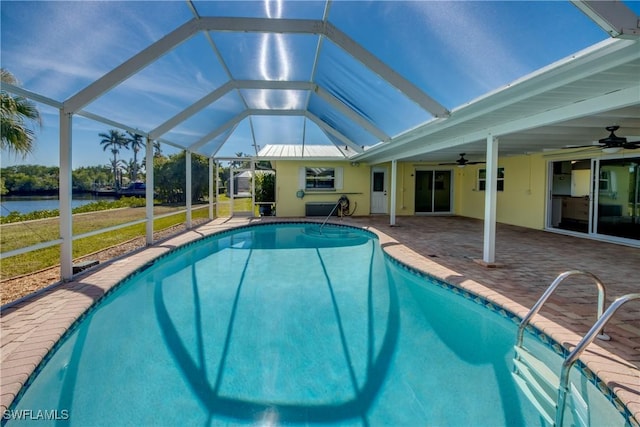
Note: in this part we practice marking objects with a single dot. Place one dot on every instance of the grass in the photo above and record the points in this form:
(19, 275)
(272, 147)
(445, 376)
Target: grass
(19, 235)
(14, 236)
(239, 205)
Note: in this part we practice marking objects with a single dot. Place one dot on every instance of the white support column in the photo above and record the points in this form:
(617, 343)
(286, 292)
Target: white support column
(253, 188)
(231, 190)
(148, 195)
(217, 178)
(65, 195)
(187, 191)
(490, 202)
(394, 180)
(212, 186)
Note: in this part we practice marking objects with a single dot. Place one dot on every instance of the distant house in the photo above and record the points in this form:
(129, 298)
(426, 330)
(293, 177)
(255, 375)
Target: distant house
(242, 183)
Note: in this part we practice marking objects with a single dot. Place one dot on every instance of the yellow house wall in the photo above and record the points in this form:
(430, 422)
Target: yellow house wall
(521, 203)
(356, 184)
(404, 188)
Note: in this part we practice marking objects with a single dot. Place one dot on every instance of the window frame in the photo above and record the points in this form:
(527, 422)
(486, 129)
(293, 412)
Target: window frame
(313, 178)
(482, 180)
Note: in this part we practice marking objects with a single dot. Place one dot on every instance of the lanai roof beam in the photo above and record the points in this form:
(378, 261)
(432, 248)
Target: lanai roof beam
(331, 131)
(615, 17)
(351, 115)
(266, 84)
(191, 110)
(265, 112)
(131, 66)
(219, 130)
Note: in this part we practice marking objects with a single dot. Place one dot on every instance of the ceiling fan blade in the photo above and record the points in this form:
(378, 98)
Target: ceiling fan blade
(584, 146)
(462, 161)
(610, 143)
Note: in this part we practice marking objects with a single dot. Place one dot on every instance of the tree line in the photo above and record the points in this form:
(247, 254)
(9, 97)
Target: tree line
(169, 178)
(19, 119)
(37, 179)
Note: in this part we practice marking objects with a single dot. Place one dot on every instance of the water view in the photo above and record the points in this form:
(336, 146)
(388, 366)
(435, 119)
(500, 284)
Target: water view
(26, 204)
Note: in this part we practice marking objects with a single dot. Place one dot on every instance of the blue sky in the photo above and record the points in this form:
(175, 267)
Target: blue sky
(453, 51)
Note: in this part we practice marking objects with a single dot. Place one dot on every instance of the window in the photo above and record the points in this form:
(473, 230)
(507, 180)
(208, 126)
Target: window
(604, 180)
(378, 181)
(482, 179)
(320, 178)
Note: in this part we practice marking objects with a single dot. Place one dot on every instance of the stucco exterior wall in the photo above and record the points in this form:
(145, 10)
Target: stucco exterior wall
(521, 203)
(356, 187)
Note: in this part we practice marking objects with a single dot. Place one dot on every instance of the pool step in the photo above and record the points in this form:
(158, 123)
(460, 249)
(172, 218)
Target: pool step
(540, 384)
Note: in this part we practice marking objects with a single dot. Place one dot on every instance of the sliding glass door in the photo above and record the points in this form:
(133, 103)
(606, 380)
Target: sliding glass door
(433, 191)
(599, 196)
(618, 198)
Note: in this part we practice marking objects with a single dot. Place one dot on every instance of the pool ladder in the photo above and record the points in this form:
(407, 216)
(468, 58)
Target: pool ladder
(540, 384)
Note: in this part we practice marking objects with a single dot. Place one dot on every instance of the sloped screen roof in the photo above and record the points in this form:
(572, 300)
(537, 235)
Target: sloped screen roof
(233, 77)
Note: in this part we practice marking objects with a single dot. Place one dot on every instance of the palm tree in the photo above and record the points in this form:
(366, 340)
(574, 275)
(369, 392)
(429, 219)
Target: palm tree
(116, 166)
(17, 113)
(157, 149)
(131, 169)
(114, 141)
(238, 164)
(157, 154)
(136, 143)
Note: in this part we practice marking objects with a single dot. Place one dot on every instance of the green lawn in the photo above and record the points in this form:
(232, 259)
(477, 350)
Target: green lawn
(19, 235)
(23, 234)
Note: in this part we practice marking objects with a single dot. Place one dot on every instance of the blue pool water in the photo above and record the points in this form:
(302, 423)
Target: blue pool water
(286, 324)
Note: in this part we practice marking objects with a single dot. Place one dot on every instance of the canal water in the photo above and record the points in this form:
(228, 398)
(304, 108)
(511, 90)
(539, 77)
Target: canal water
(26, 204)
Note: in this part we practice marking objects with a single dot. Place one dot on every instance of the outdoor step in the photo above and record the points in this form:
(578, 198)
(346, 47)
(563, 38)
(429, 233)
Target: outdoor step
(524, 386)
(543, 371)
(544, 394)
(540, 384)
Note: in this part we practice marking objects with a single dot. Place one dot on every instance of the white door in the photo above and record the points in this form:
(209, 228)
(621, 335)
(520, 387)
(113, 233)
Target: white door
(379, 200)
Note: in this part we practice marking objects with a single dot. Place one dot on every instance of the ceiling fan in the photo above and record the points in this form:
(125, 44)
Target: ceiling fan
(612, 143)
(462, 162)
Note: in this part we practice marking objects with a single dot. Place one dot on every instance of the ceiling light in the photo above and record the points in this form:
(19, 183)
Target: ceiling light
(611, 150)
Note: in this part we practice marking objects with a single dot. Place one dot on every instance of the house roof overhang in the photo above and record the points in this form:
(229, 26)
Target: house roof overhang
(569, 102)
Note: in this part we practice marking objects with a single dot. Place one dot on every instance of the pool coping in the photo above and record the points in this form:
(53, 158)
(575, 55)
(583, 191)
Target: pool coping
(32, 326)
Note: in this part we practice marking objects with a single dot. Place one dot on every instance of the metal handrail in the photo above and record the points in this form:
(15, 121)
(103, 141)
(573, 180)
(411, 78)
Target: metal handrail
(538, 305)
(329, 216)
(580, 347)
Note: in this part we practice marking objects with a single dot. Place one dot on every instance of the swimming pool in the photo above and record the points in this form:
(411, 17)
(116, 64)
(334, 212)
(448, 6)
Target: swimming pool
(287, 324)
